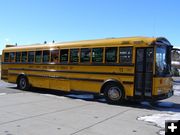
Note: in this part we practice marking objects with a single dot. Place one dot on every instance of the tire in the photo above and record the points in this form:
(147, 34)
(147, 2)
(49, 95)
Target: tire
(23, 83)
(114, 93)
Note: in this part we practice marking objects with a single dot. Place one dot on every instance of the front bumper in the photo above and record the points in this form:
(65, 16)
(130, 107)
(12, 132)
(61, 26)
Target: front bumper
(152, 98)
(163, 96)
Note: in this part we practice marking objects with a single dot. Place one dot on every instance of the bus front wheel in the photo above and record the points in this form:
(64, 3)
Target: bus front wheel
(114, 94)
(23, 83)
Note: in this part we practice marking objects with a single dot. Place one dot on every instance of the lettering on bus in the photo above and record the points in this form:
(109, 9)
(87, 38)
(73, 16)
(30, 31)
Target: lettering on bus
(121, 70)
(31, 66)
(64, 67)
(44, 67)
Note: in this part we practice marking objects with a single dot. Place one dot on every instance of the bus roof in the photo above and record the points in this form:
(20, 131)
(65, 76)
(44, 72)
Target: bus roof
(87, 43)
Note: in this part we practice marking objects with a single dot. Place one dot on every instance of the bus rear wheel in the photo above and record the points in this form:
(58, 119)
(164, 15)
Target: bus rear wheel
(114, 94)
(23, 83)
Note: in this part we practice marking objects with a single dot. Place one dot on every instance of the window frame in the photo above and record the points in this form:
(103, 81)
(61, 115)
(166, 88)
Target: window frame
(90, 54)
(102, 55)
(10, 57)
(126, 63)
(48, 56)
(19, 57)
(116, 56)
(58, 56)
(40, 56)
(29, 55)
(6, 60)
(78, 53)
(25, 55)
(60, 59)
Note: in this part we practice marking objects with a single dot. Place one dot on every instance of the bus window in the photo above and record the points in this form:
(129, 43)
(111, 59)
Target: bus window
(38, 56)
(46, 55)
(24, 57)
(30, 56)
(162, 66)
(149, 59)
(55, 56)
(74, 55)
(12, 57)
(18, 57)
(6, 57)
(64, 55)
(85, 55)
(125, 55)
(97, 55)
(111, 54)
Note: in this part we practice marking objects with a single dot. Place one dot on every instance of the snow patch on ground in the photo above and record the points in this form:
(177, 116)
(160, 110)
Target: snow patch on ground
(177, 93)
(159, 119)
(169, 112)
(2, 94)
(176, 90)
(176, 87)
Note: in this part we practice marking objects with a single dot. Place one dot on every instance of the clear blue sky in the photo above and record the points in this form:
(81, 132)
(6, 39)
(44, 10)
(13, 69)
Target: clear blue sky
(34, 21)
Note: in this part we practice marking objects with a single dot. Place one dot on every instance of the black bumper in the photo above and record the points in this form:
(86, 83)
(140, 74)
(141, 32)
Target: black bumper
(152, 98)
(163, 96)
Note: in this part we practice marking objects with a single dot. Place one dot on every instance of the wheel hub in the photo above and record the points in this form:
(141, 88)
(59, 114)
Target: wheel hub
(22, 83)
(114, 93)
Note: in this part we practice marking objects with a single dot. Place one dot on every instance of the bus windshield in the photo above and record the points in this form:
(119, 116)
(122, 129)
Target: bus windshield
(162, 61)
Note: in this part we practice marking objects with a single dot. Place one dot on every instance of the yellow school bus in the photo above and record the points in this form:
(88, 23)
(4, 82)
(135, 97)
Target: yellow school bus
(133, 68)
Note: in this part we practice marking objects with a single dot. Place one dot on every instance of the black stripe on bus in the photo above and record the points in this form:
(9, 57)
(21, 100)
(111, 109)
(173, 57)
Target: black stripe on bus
(68, 71)
(128, 82)
(61, 77)
(4, 78)
(73, 64)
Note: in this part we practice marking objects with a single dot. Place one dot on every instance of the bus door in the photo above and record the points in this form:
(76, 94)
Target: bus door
(144, 72)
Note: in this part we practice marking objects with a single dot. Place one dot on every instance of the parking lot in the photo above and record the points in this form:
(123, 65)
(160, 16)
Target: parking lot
(44, 112)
